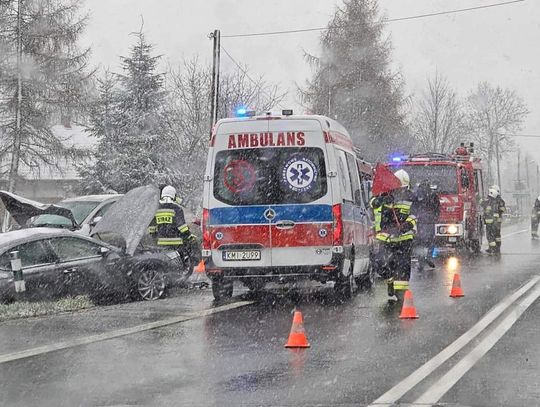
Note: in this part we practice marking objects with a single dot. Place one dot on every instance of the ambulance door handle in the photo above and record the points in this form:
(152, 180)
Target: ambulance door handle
(285, 224)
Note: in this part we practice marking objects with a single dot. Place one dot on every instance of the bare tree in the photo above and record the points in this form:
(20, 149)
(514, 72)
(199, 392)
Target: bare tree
(439, 122)
(493, 113)
(43, 76)
(189, 113)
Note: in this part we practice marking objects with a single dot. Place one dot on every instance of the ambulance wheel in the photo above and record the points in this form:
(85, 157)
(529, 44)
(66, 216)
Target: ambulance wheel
(222, 289)
(344, 286)
(365, 281)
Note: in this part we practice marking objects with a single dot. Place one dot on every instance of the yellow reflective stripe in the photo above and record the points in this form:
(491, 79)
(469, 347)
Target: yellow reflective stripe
(184, 228)
(401, 285)
(498, 239)
(492, 244)
(489, 221)
(401, 238)
(172, 241)
(152, 229)
(165, 211)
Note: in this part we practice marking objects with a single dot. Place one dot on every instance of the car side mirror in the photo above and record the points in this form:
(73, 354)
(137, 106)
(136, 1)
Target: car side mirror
(197, 221)
(95, 221)
(103, 251)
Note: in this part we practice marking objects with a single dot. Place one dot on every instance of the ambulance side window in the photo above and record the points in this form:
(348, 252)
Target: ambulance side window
(355, 182)
(343, 176)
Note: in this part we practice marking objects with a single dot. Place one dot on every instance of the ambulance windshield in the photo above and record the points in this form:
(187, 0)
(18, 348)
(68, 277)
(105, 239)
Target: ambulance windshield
(442, 176)
(266, 176)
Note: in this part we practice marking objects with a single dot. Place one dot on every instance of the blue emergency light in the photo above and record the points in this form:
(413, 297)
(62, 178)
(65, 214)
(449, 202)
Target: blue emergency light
(241, 112)
(396, 159)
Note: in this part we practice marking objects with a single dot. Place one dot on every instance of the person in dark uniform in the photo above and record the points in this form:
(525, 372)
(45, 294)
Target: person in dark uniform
(535, 218)
(426, 208)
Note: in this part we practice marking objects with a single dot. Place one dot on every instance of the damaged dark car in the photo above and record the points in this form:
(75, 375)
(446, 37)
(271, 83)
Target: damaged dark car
(119, 261)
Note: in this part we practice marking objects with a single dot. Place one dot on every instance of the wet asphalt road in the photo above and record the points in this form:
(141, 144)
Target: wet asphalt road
(359, 349)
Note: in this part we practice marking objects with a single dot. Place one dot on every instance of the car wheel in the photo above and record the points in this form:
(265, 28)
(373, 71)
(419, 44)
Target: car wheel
(151, 283)
(222, 289)
(365, 281)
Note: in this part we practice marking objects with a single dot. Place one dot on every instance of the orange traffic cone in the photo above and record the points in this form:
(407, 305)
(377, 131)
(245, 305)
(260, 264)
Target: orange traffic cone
(456, 291)
(200, 267)
(408, 311)
(297, 337)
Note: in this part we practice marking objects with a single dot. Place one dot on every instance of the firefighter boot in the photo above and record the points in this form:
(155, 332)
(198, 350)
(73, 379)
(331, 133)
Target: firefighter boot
(391, 292)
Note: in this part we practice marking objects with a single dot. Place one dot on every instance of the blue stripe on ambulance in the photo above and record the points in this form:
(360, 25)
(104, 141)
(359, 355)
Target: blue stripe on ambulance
(242, 215)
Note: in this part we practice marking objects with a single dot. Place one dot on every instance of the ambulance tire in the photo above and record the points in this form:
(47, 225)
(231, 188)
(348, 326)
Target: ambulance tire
(365, 281)
(222, 289)
(344, 285)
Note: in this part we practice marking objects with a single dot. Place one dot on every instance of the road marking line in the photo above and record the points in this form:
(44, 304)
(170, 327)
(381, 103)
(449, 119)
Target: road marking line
(395, 393)
(445, 383)
(8, 357)
(515, 233)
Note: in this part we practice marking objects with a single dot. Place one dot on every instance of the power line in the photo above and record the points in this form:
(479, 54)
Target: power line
(244, 71)
(384, 20)
(521, 135)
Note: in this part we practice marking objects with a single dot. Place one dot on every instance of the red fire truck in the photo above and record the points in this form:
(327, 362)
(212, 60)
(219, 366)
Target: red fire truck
(459, 183)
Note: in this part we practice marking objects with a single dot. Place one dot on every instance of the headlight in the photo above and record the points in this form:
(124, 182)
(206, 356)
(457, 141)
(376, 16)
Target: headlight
(452, 229)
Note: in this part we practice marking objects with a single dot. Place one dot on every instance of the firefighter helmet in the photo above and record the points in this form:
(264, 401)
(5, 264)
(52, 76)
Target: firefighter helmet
(168, 192)
(403, 177)
(493, 193)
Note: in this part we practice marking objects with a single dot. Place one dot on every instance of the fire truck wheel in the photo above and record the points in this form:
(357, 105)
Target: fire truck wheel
(222, 289)
(475, 246)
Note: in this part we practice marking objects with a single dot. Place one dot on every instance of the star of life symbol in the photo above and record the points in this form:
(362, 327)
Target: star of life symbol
(300, 174)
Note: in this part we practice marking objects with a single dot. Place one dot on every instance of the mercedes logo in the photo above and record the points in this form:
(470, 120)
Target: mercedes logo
(269, 214)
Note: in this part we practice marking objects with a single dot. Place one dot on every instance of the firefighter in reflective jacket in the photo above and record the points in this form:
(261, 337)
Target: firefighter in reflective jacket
(535, 218)
(169, 226)
(494, 208)
(395, 229)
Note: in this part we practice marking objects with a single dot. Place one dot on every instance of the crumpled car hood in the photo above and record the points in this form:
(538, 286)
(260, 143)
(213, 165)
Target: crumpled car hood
(22, 209)
(130, 216)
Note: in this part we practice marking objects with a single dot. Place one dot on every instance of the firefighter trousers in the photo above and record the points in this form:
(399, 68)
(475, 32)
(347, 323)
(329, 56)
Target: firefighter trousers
(534, 224)
(393, 260)
(493, 235)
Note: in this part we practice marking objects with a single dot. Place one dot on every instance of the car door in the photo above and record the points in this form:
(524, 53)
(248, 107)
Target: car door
(80, 264)
(41, 277)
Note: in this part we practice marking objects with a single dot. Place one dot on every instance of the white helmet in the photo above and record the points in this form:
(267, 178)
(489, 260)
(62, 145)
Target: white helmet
(493, 193)
(403, 177)
(496, 188)
(168, 192)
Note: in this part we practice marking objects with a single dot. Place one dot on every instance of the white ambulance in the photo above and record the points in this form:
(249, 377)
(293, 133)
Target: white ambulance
(284, 200)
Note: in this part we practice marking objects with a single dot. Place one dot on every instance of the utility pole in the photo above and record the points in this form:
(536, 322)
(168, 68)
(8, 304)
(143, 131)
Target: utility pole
(16, 152)
(527, 177)
(497, 160)
(216, 37)
(518, 189)
(17, 134)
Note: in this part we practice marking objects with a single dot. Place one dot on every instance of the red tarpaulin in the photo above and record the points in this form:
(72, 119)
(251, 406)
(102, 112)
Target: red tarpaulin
(384, 180)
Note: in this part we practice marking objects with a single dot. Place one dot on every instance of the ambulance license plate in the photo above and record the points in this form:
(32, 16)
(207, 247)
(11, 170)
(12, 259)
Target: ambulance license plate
(242, 255)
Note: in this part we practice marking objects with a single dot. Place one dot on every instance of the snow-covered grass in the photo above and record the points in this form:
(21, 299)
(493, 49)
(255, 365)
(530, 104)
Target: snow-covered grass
(27, 309)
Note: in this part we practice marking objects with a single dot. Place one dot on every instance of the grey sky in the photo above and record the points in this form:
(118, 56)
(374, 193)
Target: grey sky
(499, 45)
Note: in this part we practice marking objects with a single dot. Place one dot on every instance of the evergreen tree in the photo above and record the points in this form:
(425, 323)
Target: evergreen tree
(353, 83)
(129, 121)
(43, 76)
